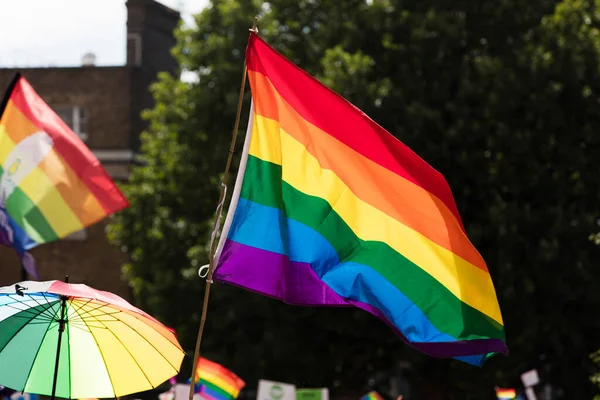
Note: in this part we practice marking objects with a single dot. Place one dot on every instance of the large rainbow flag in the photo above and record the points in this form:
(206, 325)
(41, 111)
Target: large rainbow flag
(215, 382)
(331, 209)
(51, 184)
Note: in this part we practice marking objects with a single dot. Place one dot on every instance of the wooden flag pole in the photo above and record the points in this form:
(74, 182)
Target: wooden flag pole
(3, 103)
(211, 265)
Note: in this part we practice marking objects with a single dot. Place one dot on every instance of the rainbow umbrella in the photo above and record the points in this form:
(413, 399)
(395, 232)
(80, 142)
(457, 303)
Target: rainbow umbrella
(72, 341)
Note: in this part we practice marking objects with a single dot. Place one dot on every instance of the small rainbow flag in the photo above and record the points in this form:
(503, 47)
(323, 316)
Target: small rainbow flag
(331, 209)
(506, 394)
(372, 395)
(215, 382)
(51, 184)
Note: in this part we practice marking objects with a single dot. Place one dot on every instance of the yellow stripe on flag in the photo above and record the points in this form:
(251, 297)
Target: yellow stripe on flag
(41, 191)
(467, 282)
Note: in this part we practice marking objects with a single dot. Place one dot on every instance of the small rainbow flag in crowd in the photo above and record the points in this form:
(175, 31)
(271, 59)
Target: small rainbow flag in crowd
(506, 394)
(331, 209)
(215, 382)
(372, 395)
(51, 185)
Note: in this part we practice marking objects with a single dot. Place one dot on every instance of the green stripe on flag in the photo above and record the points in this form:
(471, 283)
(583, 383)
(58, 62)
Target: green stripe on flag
(26, 214)
(216, 389)
(263, 184)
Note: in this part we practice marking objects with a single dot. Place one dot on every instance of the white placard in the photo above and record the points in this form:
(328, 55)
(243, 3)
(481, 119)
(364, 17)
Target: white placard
(182, 392)
(530, 393)
(530, 378)
(269, 390)
(168, 395)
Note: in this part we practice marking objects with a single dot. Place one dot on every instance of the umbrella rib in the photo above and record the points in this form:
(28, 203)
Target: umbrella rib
(50, 305)
(154, 347)
(102, 305)
(67, 328)
(88, 315)
(88, 312)
(42, 304)
(41, 322)
(16, 300)
(127, 350)
(43, 295)
(76, 309)
(27, 311)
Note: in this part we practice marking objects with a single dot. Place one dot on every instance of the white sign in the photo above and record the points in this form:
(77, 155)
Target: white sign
(530, 394)
(23, 159)
(268, 390)
(530, 378)
(182, 392)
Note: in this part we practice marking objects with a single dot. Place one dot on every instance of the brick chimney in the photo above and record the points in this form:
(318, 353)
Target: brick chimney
(150, 38)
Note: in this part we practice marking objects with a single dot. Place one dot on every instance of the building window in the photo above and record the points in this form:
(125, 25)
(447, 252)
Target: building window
(134, 49)
(76, 119)
(77, 236)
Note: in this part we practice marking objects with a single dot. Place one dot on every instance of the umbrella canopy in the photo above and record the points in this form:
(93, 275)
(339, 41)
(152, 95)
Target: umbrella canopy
(107, 347)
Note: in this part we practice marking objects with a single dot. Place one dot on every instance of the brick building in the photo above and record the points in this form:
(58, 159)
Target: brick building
(102, 105)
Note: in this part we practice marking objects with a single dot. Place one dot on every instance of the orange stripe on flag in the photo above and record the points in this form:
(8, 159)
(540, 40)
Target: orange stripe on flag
(401, 200)
(219, 376)
(74, 192)
(75, 153)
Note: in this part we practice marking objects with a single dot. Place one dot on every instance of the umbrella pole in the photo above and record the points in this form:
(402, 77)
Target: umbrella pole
(212, 247)
(61, 329)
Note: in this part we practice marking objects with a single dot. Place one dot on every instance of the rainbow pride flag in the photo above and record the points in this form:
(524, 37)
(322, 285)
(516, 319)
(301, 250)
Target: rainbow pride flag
(215, 382)
(51, 185)
(331, 209)
(372, 395)
(506, 394)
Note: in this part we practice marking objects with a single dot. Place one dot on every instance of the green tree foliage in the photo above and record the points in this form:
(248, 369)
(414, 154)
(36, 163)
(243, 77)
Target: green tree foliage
(595, 378)
(501, 96)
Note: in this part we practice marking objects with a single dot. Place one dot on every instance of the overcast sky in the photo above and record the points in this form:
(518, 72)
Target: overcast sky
(60, 32)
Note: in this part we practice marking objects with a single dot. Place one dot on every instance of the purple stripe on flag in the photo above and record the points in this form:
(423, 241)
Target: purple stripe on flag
(11, 235)
(296, 283)
(293, 282)
(4, 240)
(30, 265)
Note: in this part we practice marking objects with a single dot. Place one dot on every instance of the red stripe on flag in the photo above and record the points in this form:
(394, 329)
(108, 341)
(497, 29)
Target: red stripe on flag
(333, 114)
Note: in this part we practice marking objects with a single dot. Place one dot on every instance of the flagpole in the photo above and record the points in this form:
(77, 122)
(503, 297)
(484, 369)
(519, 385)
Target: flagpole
(9, 89)
(211, 265)
(3, 104)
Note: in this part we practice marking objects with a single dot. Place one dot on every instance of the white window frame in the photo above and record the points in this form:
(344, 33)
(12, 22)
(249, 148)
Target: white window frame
(76, 118)
(77, 123)
(117, 155)
(137, 40)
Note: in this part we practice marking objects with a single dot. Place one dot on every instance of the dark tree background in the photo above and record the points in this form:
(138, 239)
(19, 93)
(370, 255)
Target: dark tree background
(500, 96)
